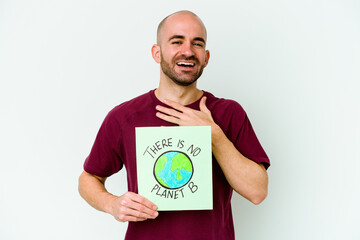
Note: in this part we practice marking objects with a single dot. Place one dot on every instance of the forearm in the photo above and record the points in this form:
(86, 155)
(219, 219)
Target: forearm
(127, 207)
(245, 176)
(93, 190)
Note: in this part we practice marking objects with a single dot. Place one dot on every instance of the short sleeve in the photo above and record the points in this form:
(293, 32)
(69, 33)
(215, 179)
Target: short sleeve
(244, 137)
(104, 159)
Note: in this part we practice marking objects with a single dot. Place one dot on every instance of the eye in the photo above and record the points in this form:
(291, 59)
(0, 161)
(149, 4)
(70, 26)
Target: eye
(199, 44)
(176, 42)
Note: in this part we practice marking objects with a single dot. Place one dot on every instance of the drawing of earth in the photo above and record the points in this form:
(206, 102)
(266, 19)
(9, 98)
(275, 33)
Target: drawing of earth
(173, 169)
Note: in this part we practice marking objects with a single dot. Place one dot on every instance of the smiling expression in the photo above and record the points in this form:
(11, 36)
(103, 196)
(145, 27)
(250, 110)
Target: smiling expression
(181, 48)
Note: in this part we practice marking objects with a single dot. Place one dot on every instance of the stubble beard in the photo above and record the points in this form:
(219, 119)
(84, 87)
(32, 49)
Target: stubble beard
(176, 78)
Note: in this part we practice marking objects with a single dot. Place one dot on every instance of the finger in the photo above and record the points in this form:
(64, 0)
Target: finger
(202, 105)
(138, 210)
(128, 218)
(175, 105)
(140, 199)
(168, 118)
(169, 111)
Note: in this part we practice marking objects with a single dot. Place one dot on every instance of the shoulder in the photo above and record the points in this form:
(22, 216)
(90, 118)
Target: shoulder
(224, 107)
(122, 111)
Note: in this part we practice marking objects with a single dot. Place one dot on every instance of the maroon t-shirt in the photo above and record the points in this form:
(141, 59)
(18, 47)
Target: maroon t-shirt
(114, 148)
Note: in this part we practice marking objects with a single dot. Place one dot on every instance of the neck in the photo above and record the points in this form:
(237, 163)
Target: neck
(184, 95)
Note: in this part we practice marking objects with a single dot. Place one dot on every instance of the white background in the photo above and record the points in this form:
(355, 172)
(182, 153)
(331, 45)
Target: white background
(293, 65)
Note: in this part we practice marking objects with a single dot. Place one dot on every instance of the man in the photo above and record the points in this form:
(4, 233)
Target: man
(239, 162)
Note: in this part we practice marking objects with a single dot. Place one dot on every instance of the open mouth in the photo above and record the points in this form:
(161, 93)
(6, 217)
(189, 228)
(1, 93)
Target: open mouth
(185, 64)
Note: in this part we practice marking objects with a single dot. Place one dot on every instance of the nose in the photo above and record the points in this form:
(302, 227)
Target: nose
(186, 49)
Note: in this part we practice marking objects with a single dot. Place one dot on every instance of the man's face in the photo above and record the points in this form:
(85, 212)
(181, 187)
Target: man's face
(182, 49)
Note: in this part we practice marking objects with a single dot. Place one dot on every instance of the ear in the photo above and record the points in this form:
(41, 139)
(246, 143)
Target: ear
(155, 51)
(207, 56)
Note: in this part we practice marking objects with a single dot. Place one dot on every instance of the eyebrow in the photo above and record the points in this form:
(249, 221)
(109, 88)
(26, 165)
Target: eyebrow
(182, 37)
(176, 36)
(199, 39)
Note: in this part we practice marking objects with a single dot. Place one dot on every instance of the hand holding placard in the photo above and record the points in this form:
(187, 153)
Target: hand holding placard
(133, 207)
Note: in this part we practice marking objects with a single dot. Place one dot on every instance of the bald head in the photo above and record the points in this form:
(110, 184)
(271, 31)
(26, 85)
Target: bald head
(177, 16)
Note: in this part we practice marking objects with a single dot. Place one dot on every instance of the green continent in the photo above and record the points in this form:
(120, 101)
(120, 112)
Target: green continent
(178, 175)
(180, 161)
(160, 164)
(162, 182)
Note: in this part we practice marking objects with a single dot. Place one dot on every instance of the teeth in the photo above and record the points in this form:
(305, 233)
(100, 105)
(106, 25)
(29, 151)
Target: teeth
(185, 64)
